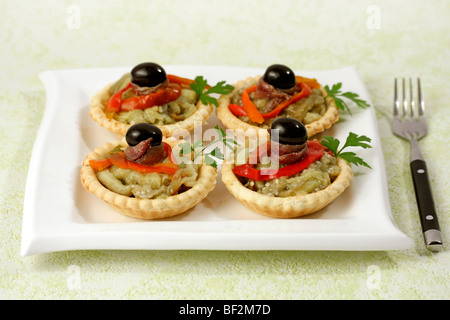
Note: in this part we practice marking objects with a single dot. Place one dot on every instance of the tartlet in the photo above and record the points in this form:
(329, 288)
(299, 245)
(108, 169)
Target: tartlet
(314, 123)
(306, 177)
(166, 116)
(140, 203)
(287, 207)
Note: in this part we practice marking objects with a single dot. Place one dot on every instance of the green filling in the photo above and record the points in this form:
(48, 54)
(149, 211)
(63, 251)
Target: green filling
(317, 176)
(172, 112)
(152, 185)
(307, 110)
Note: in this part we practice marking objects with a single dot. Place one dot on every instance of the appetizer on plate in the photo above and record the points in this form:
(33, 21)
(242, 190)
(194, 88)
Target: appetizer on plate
(149, 95)
(290, 176)
(257, 101)
(140, 177)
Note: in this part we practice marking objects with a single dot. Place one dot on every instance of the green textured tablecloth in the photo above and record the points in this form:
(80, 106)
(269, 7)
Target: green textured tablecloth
(383, 39)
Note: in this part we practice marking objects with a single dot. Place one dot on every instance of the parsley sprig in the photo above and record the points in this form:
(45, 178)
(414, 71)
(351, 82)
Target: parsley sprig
(335, 92)
(199, 87)
(353, 140)
(211, 157)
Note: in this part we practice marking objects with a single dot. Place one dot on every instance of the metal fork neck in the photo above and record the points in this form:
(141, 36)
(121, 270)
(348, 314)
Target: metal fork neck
(415, 151)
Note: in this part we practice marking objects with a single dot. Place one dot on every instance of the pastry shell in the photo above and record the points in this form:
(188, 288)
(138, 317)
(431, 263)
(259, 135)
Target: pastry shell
(287, 207)
(148, 209)
(230, 121)
(97, 113)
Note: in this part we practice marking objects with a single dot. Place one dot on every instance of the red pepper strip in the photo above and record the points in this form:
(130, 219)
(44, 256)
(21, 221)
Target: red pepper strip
(142, 102)
(249, 107)
(101, 164)
(182, 81)
(119, 160)
(159, 98)
(315, 152)
(168, 168)
(115, 102)
(179, 80)
(237, 110)
(168, 150)
(312, 83)
(260, 151)
(306, 91)
(253, 113)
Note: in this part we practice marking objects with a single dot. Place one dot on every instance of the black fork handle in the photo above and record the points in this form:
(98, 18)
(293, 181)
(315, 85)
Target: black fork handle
(425, 203)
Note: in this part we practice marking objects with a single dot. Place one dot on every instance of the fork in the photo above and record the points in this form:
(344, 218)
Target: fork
(410, 124)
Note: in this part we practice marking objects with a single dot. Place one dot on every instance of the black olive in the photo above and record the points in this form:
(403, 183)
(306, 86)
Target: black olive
(148, 74)
(142, 131)
(279, 76)
(289, 131)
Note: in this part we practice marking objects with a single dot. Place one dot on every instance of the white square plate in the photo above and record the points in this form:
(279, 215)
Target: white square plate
(59, 214)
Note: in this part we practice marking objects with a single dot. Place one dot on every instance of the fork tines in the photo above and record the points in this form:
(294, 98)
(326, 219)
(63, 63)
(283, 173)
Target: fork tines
(408, 104)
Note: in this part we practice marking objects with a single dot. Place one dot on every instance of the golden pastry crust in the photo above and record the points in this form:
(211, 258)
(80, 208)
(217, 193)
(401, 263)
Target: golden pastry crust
(287, 207)
(230, 121)
(148, 209)
(97, 113)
